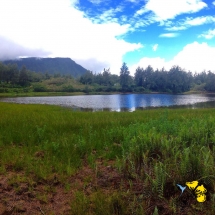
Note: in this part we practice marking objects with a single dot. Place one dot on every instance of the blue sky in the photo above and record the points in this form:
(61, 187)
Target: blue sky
(102, 34)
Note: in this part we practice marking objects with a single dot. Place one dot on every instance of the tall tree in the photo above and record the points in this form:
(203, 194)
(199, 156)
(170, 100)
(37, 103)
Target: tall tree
(179, 80)
(13, 73)
(124, 76)
(148, 77)
(106, 77)
(87, 78)
(3, 70)
(23, 77)
(209, 85)
(138, 77)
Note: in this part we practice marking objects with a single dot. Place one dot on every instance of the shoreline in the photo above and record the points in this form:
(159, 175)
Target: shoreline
(37, 94)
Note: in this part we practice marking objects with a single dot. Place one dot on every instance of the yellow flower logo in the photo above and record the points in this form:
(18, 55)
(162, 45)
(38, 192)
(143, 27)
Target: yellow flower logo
(201, 198)
(192, 185)
(199, 191)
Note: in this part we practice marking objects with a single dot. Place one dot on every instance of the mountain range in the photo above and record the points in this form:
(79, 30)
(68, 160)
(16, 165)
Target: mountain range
(63, 66)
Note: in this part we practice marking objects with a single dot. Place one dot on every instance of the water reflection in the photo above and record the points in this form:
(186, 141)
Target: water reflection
(120, 102)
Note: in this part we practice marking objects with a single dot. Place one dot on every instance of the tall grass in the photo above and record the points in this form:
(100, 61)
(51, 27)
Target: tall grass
(65, 137)
(160, 148)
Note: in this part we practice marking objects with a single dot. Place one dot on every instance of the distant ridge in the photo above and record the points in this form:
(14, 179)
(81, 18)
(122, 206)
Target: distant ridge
(63, 66)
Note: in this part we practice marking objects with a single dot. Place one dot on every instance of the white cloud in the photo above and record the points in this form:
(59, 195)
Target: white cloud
(124, 18)
(189, 22)
(199, 20)
(166, 23)
(155, 47)
(95, 1)
(55, 26)
(208, 34)
(213, 2)
(194, 57)
(137, 23)
(169, 35)
(10, 50)
(169, 9)
(141, 11)
(109, 15)
(156, 63)
(176, 28)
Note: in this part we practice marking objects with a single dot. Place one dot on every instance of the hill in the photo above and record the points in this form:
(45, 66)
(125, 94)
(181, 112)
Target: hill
(64, 66)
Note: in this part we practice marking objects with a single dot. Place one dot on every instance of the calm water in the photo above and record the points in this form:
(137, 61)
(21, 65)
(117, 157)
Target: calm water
(125, 102)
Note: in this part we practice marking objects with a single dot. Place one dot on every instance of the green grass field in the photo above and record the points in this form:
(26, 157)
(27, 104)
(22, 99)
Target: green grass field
(151, 150)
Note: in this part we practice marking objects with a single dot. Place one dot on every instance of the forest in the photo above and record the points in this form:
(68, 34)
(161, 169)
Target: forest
(175, 80)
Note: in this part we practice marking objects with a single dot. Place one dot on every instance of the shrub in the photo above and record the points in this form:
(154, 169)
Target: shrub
(39, 88)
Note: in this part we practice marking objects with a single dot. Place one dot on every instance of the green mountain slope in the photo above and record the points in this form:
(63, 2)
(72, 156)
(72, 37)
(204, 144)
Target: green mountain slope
(64, 66)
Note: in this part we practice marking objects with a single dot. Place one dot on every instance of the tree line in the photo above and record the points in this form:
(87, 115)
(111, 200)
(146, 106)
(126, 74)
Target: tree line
(175, 80)
(11, 75)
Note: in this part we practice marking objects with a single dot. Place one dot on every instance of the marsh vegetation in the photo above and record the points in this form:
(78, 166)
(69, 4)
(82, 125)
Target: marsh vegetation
(57, 161)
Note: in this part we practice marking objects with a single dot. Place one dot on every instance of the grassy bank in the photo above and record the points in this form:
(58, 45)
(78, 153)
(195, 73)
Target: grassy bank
(106, 162)
(23, 94)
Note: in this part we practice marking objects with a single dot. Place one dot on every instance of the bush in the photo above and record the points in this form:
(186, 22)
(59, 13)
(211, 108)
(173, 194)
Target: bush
(139, 89)
(39, 88)
(87, 89)
(3, 90)
(68, 88)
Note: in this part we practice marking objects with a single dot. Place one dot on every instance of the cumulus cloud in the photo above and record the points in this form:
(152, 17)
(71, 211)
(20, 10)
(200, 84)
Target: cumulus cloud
(169, 9)
(194, 57)
(12, 50)
(156, 63)
(57, 27)
(95, 65)
(208, 34)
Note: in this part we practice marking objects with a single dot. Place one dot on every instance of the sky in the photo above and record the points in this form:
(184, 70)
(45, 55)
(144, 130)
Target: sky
(100, 34)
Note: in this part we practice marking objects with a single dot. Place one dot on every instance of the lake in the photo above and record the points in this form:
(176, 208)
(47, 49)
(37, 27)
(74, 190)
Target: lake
(120, 102)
